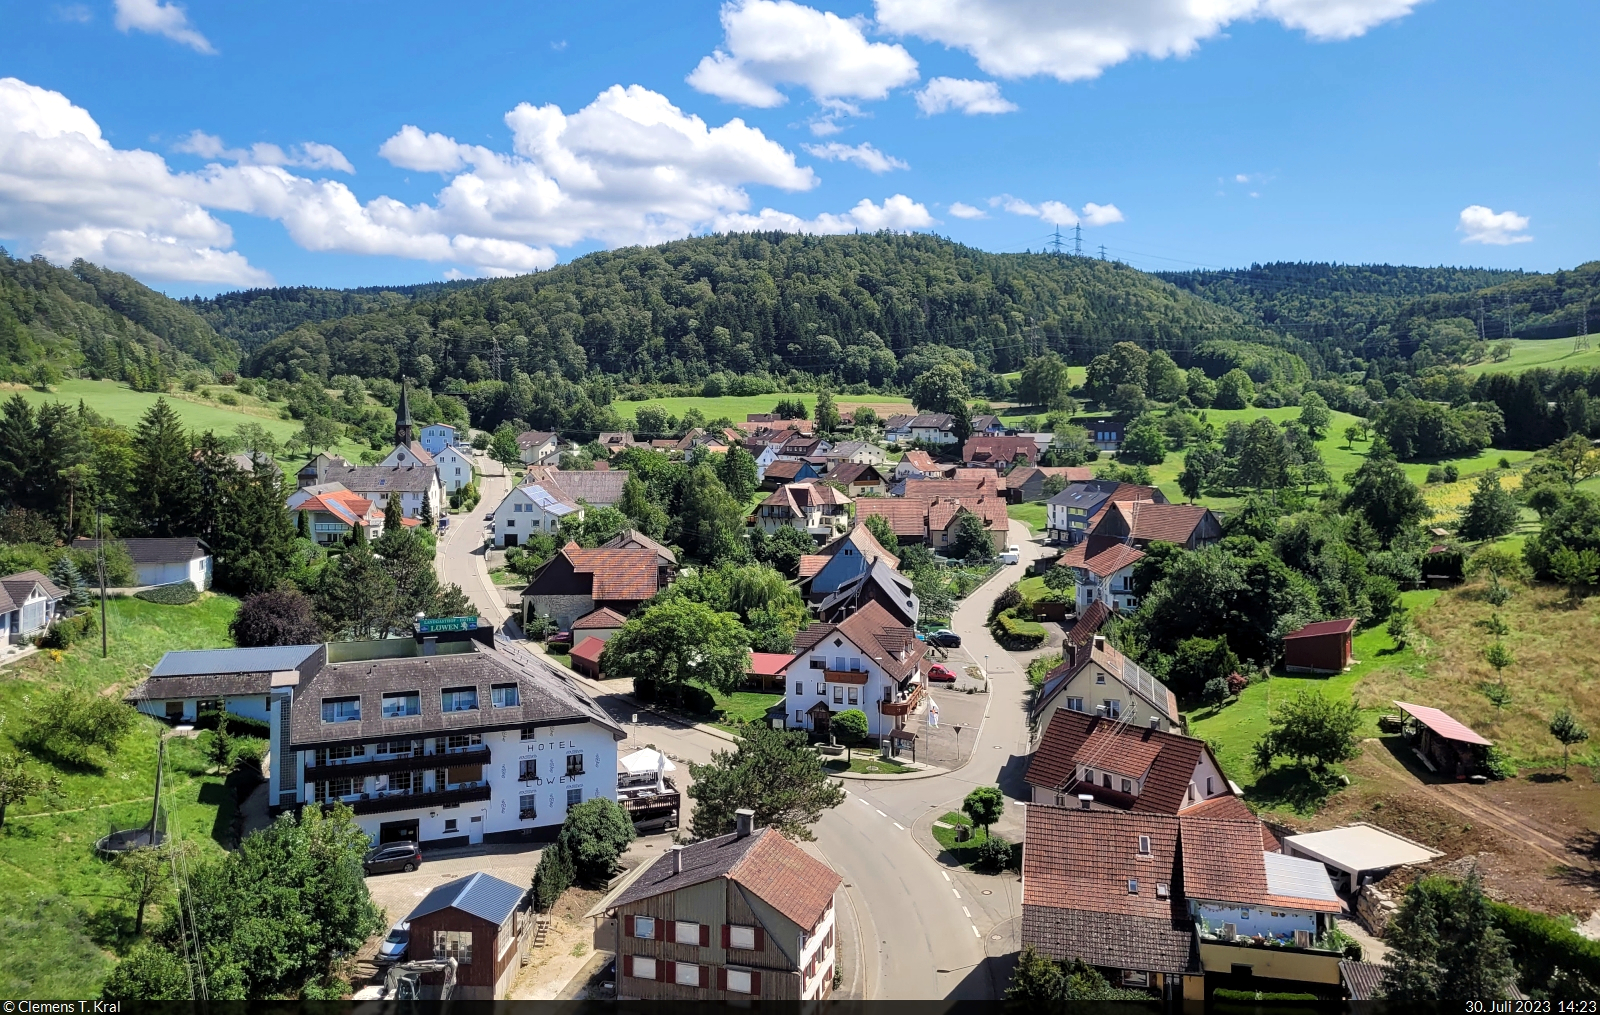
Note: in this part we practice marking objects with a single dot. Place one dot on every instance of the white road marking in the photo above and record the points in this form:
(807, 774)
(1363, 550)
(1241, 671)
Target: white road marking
(955, 893)
(976, 934)
(946, 875)
(966, 913)
(880, 813)
(900, 826)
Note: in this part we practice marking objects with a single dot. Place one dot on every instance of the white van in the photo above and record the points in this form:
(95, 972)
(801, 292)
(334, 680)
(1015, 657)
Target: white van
(1012, 555)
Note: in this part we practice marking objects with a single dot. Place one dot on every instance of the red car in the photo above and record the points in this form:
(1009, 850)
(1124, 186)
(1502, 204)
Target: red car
(941, 674)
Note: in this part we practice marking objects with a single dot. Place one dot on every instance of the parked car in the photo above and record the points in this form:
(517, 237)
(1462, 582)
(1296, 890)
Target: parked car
(394, 946)
(944, 638)
(391, 857)
(1012, 555)
(444, 523)
(941, 674)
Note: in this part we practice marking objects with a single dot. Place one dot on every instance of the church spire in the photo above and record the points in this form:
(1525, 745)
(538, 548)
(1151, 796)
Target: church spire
(404, 432)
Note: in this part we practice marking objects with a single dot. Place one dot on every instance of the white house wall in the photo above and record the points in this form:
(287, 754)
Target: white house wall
(248, 706)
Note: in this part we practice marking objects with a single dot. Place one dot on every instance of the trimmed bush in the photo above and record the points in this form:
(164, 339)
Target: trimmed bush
(176, 594)
(994, 854)
(1542, 944)
(1019, 633)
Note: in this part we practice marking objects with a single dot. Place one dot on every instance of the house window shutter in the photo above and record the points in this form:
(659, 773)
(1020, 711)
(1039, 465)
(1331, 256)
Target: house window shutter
(755, 980)
(761, 939)
(627, 963)
(705, 935)
(664, 970)
(705, 976)
(722, 978)
(666, 930)
(627, 926)
(726, 931)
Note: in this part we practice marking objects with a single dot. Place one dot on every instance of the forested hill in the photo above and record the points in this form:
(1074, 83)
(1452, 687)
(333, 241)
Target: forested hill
(769, 303)
(1386, 310)
(88, 320)
(253, 317)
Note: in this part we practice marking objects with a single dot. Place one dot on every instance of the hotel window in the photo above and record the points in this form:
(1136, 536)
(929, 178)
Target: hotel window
(528, 770)
(574, 797)
(575, 764)
(341, 709)
(399, 704)
(644, 927)
(450, 825)
(453, 944)
(529, 806)
(405, 782)
(505, 696)
(462, 741)
(458, 699)
(394, 748)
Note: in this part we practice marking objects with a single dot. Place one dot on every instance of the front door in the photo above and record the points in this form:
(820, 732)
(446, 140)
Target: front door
(398, 831)
(821, 718)
(511, 539)
(475, 829)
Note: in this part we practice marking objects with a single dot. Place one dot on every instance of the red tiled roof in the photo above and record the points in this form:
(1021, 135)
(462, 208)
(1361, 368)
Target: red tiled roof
(811, 563)
(605, 617)
(1083, 860)
(1220, 860)
(875, 631)
(1443, 724)
(784, 468)
(768, 664)
(1323, 627)
(589, 649)
(1118, 749)
(855, 472)
(1002, 449)
(1166, 523)
(1089, 622)
(619, 574)
(787, 878)
(921, 461)
(1112, 559)
(1230, 808)
(906, 517)
(1054, 763)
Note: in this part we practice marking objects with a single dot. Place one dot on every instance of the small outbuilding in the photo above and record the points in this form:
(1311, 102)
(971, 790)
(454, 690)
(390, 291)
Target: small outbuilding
(1443, 743)
(586, 657)
(766, 670)
(1358, 850)
(481, 922)
(1323, 647)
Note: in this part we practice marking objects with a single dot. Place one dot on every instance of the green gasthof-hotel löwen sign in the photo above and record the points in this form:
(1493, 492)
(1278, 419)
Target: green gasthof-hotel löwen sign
(433, 625)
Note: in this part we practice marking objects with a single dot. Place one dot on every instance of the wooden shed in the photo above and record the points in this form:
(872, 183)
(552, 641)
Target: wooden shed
(1443, 743)
(483, 923)
(586, 657)
(1323, 647)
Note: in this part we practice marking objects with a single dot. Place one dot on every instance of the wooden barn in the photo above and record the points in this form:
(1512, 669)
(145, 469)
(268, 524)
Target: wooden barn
(482, 922)
(1443, 743)
(1323, 647)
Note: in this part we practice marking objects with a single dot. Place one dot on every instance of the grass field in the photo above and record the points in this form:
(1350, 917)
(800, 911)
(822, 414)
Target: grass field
(1031, 514)
(124, 405)
(65, 910)
(737, 407)
(865, 762)
(1527, 353)
(1234, 730)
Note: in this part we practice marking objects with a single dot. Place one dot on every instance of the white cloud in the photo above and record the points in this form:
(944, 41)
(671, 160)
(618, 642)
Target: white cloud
(1076, 39)
(168, 19)
(628, 168)
(967, 211)
(1101, 214)
(971, 97)
(310, 155)
(897, 213)
(1241, 177)
(1056, 213)
(770, 43)
(863, 155)
(78, 13)
(1500, 229)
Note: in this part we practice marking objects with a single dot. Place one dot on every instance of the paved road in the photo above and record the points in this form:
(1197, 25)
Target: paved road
(931, 926)
(461, 557)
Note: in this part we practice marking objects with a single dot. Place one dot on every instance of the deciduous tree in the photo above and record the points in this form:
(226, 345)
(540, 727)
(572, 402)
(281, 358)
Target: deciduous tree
(772, 772)
(677, 641)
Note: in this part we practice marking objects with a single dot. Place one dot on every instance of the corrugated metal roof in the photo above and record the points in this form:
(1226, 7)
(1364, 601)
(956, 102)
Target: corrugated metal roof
(483, 895)
(208, 661)
(1444, 724)
(1298, 878)
(1322, 627)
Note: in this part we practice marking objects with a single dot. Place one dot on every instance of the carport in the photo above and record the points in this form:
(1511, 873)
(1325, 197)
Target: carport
(1357, 850)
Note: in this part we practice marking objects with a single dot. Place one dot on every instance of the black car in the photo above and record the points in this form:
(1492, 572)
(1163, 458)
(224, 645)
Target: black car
(391, 857)
(945, 639)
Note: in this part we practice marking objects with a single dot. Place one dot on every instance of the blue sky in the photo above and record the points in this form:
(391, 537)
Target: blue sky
(211, 146)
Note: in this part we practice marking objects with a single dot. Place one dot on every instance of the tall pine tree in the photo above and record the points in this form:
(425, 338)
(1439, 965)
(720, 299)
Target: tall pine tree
(163, 497)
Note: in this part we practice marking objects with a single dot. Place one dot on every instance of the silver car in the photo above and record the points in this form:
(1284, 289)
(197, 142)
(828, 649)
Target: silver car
(394, 946)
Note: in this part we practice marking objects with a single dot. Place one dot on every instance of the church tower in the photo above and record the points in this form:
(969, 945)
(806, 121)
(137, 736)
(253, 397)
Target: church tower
(404, 431)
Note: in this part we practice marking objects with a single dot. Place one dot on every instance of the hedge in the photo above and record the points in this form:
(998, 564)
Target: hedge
(176, 594)
(1540, 944)
(1025, 633)
(65, 632)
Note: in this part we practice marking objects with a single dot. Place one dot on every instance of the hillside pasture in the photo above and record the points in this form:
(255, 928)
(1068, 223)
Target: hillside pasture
(1549, 353)
(737, 407)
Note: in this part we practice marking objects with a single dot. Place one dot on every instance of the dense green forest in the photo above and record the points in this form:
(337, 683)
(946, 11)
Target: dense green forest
(765, 304)
(252, 317)
(1387, 311)
(87, 320)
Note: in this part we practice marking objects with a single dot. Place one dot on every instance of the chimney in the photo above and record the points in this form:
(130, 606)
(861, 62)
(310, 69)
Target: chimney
(1085, 799)
(744, 820)
(1099, 643)
(677, 859)
(1100, 710)
(1155, 722)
